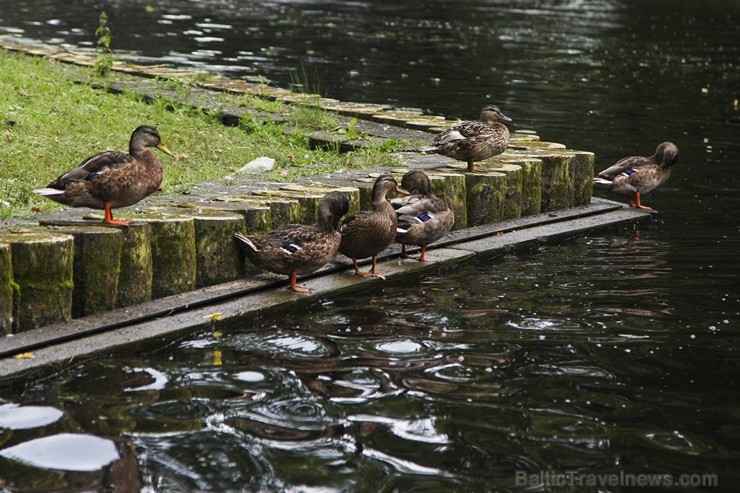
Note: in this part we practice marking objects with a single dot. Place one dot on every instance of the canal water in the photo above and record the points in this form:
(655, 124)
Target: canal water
(581, 365)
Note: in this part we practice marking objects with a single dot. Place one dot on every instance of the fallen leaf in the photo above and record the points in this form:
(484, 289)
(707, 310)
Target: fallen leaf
(28, 355)
(214, 316)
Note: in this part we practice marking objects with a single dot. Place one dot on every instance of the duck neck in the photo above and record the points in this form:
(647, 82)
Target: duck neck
(137, 148)
(327, 221)
(379, 200)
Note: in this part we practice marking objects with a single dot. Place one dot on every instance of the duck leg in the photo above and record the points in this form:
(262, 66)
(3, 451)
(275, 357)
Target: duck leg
(404, 254)
(638, 204)
(373, 272)
(294, 286)
(471, 168)
(109, 217)
(420, 258)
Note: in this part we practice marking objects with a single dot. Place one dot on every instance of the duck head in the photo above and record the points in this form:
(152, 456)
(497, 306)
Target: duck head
(492, 114)
(666, 154)
(416, 182)
(332, 207)
(146, 136)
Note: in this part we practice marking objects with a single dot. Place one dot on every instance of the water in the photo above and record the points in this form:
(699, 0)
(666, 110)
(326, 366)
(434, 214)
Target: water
(615, 352)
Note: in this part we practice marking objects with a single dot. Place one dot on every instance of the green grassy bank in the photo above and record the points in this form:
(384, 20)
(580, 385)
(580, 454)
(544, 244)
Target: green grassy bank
(50, 123)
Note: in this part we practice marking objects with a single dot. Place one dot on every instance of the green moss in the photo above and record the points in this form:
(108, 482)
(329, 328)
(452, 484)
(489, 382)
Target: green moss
(135, 275)
(96, 268)
(218, 258)
(582, 166)
(42, 278)
(6, 289)
(486, 195)
(513, 190)
(173, 256)
(556, 188)
(531, 186)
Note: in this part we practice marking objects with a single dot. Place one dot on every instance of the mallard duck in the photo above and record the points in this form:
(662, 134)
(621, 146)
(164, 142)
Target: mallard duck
(475, 140)
(367, 233)
(636, 175)
(423, 218)
(299, 249)
(112, 179)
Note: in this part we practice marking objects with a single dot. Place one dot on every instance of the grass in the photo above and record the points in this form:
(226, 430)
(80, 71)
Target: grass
(50, 124)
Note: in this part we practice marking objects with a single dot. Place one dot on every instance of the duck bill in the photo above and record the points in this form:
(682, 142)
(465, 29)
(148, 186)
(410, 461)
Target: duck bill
(505, 118)
(402, 191)
(164, 149)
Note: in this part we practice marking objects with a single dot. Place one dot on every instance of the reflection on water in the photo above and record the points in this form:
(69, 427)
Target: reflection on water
(580, 364)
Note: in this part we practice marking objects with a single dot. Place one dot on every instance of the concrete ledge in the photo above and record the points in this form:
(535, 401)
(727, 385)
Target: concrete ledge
(62, 342)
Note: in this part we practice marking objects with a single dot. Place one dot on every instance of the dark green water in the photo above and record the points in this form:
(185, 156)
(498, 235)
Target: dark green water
(614, 353)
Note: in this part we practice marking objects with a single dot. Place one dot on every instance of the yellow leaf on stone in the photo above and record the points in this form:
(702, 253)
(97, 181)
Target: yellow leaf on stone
(215, 316)
(24, 356)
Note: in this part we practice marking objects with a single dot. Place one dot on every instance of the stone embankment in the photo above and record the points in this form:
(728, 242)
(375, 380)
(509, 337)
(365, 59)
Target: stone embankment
(61, 266)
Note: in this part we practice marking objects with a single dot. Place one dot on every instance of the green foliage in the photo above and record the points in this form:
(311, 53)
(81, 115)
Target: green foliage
(350, 130)
(103, 53)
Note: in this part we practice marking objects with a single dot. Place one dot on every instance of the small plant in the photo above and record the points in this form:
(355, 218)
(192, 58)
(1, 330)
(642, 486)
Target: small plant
(103, 53)
(308, 85)
(350, 130)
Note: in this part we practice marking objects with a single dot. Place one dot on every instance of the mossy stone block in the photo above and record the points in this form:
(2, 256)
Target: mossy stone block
(366, 196)
(531, 186)
(451, 188)
(97, 261)
(582, 173)
(218, 258)
(283, 212)
(308, 204)
(257, 215)
(136, 274)
(513, 189)
(556, 188)
(42, 277)
(486, 196)
(6, 289)
(173, 256)
(321, 189)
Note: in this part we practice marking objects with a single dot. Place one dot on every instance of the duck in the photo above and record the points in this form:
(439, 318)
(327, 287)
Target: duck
(299, 249)
(475, 140)
(367, 233)
(637, 175)
(111, 179)
(423, 218)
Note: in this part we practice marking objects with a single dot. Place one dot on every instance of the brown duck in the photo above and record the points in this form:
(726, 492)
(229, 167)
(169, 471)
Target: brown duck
(475, 140)
(299, 249)
(637, 175)
(112, 179)
(367, 233)
(423, 218)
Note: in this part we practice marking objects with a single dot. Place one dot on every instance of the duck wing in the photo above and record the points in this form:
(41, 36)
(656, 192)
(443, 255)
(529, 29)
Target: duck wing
(297, 248)
(415, 205)
(92, 167)
(473, 129)
(423, 220)
(624, 165)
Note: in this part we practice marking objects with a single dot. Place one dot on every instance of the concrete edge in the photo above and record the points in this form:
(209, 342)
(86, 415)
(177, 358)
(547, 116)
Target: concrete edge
(46, 347)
